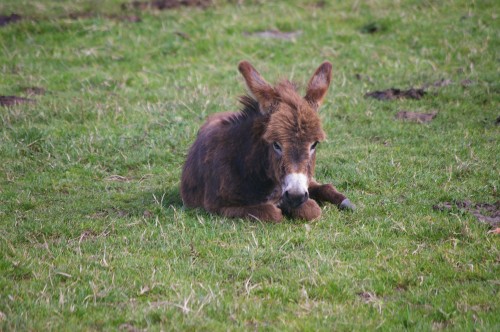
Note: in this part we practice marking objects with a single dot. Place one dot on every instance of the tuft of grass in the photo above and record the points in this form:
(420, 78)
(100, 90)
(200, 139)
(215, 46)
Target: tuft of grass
(93, 234)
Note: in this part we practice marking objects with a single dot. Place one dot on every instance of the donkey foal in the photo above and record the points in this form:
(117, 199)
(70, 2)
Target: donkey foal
(259, 162)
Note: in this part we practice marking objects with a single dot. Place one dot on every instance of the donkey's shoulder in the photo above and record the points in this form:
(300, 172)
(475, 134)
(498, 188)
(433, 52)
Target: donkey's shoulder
(218, 119)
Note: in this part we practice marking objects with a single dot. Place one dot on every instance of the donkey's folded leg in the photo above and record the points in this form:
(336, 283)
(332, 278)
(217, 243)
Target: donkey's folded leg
(328, 193)
(264, 212)
(309, 210)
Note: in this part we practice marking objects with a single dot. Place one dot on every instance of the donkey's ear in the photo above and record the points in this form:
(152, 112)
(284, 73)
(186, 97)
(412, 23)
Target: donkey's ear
(318, 85)
(259, 88)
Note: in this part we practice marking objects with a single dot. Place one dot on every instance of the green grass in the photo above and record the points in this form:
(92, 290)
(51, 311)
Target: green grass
(93, 235)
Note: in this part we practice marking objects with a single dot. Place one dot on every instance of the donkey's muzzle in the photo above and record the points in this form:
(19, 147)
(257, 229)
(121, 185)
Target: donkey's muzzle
(294, 199)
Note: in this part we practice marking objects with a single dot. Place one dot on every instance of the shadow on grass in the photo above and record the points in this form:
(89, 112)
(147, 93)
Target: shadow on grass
(167, 198)
(140, 204)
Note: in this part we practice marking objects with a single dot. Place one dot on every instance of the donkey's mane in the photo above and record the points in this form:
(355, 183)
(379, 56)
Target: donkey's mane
(250, 109)
(250, 106)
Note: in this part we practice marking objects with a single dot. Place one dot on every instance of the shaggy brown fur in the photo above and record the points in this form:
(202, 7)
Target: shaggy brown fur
(259, 162)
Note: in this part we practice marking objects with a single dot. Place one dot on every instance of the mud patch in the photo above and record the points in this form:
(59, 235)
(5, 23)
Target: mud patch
(393, 93)
(166, 4)
(484, 212)
(413, 93)
(8, 101)
(8, 19)
(274, 34)
(416, 116)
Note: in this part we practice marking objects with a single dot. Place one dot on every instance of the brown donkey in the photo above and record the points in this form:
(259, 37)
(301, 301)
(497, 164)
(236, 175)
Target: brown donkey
(259, 162)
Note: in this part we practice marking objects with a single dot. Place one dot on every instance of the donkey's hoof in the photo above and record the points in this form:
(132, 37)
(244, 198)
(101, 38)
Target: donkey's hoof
(347, 205)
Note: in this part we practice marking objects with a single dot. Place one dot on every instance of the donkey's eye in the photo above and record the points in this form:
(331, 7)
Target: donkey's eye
(313, 146)
(277, 147)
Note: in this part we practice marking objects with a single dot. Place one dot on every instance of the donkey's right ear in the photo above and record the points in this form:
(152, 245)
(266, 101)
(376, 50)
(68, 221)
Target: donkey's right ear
(318, 85)
(262, 91)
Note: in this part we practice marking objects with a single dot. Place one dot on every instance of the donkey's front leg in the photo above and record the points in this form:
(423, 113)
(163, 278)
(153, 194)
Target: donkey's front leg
(264, 212)
(328, 193)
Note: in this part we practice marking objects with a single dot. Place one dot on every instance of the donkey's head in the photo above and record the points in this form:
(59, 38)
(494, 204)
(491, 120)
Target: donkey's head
(293, 130)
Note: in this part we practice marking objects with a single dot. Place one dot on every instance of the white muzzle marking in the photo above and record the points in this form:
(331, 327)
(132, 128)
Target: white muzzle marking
(295, 183)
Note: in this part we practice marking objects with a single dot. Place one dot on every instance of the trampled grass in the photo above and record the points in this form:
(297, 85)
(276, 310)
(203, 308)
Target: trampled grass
(93, 233)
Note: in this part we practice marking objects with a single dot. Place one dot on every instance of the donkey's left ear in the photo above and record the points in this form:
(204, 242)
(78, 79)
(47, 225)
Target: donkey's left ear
(318, 85)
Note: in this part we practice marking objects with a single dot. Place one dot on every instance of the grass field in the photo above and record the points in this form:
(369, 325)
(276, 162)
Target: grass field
(93, 234)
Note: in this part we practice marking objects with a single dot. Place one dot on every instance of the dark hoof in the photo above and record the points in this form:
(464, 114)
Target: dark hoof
(347, 205)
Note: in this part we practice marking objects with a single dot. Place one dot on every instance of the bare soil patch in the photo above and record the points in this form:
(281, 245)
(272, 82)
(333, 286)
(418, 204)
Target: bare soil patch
(484, 212)
(413, 93)
(8, 19)
(393, 93)
(14, 100)
(416, 116)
